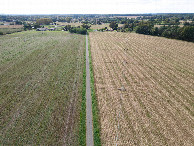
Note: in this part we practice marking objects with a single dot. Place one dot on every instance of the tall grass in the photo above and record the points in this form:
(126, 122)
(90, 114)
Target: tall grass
(95, 111)
(82, 131)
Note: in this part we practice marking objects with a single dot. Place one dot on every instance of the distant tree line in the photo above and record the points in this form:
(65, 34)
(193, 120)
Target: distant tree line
(175, 32)
(185, 32)
(44, 21)
(79, 30)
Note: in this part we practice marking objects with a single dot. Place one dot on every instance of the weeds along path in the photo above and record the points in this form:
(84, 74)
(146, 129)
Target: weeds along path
(89, 121)
(144, 88)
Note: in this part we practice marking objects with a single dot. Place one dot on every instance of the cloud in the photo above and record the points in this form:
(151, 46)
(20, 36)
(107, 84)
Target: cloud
(94, 6)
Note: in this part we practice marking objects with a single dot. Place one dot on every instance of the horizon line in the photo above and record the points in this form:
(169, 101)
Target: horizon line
(95, 13)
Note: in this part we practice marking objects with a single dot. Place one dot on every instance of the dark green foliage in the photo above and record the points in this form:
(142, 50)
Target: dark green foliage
(113, 25)
(129, 26)
(175, 32)
(161, 30)
(187, 33)
(36, 26)
(144, 28)
(78, 30)
(155, 31)
(27, 26)
(68, 19)
(44, 21)
(86, 26)
(171, 32)
(18, 22)
(67, 27)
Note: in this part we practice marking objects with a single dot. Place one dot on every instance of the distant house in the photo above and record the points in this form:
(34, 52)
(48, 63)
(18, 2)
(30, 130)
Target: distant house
(52, 29)
(41, 29)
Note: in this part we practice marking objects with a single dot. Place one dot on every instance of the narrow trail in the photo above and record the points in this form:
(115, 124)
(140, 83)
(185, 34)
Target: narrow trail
(89, 124)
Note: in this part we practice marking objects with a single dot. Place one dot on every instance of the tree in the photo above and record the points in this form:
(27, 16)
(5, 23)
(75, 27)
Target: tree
(27, 26)
(44, 21)
(36, 26)
(171, 32)
(113, 25)
(155, 31)
(67, 27)
(18, 22)
(144, 28)
(186, 33)
(78, 30)
(68, 19)
(86, 26)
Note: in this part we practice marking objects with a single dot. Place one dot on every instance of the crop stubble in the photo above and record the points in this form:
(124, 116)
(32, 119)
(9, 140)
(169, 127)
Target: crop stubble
(144, 88)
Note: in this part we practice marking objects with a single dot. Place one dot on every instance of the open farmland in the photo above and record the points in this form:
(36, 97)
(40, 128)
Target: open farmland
(103, 26)
(41, 88)
(8, 29)
(145, 89)
(11, 26)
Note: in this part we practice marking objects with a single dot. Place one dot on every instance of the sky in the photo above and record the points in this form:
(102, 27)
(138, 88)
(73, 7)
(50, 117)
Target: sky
(95, 6)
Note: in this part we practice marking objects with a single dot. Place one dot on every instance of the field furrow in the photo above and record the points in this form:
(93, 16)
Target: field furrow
(41, 78)
(144, 88)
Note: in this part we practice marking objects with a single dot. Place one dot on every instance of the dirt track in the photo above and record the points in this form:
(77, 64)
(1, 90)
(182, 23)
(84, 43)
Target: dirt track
(144, 87)
(89, 124)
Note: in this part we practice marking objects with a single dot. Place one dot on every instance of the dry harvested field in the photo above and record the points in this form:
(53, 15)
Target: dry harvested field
(128, 17)
(164, 25)
(11, 26)
(72, 24)
(145, 89)
(103, 26)
(41, 78)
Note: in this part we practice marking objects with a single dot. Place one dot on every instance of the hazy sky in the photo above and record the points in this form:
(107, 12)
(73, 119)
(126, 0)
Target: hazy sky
(95, 6)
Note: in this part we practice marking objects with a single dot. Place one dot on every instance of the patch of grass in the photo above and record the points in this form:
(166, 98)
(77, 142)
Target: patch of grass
(95, 111)
(4, 31)
(82, 131)
(38, 104)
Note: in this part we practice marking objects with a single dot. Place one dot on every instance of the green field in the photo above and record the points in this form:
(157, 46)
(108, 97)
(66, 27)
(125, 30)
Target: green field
(4, 31)
(41, 79)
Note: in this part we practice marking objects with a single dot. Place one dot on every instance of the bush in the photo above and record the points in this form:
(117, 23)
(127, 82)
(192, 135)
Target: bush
(78, 30)
(1, 33)
(144, 29)
(186, 33)
(44, 21)
(171, 32)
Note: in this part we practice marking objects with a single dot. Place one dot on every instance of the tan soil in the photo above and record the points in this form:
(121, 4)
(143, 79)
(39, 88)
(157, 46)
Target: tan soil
(155, 103)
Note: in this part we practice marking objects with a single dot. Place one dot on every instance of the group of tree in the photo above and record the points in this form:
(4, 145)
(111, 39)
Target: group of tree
(113, 25)
(44, 21)
(80, 29)
(29, 26)
(175, 32)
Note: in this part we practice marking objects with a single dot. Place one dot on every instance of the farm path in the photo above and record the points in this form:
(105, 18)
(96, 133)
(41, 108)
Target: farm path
(89, 125)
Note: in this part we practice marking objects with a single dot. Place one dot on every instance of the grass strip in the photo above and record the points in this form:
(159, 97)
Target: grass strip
(82, 131)
(95, 111)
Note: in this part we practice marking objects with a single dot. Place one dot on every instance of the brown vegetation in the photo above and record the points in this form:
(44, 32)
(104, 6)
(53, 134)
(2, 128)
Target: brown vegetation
(144, 88)
(128, 17)
(11, 26)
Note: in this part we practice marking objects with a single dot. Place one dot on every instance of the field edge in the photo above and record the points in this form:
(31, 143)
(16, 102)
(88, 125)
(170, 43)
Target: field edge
(95, 110)
(82, 130)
